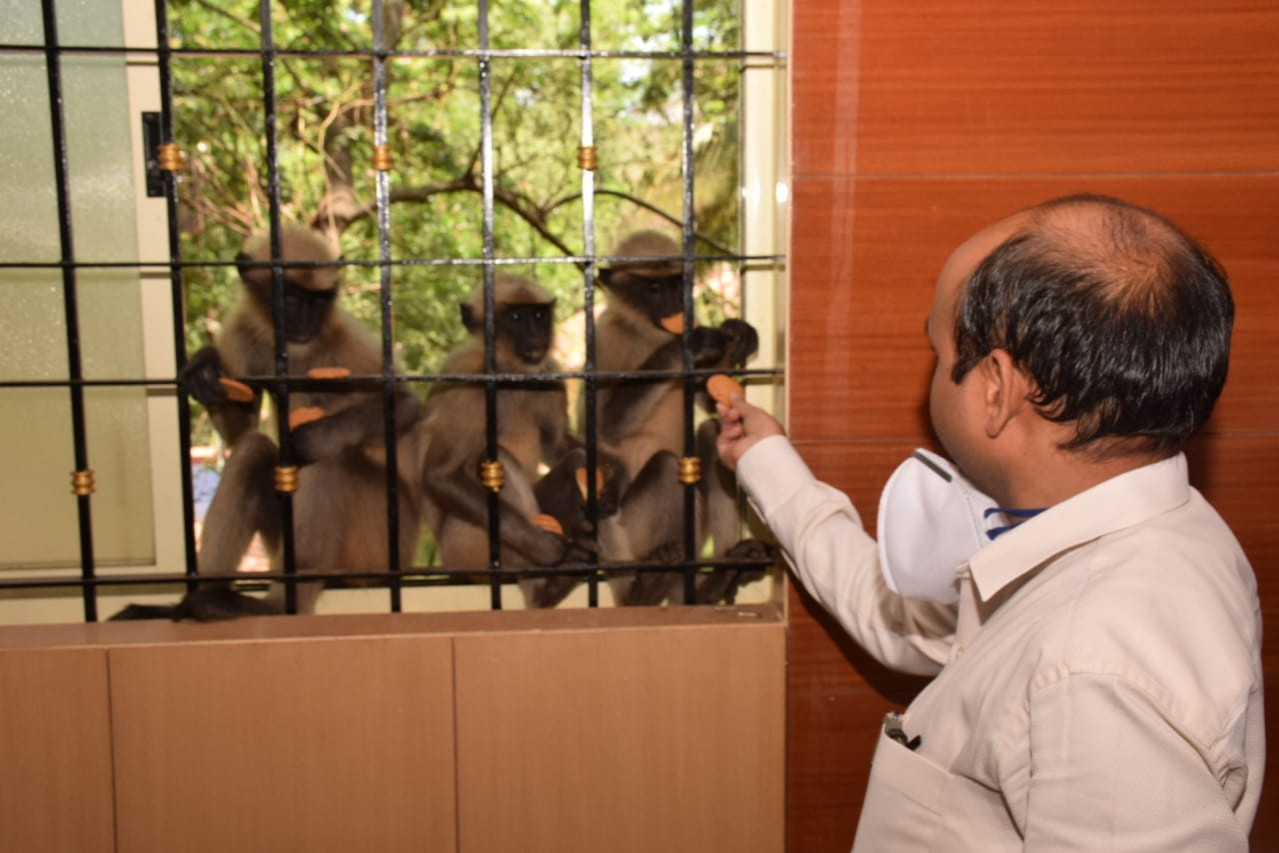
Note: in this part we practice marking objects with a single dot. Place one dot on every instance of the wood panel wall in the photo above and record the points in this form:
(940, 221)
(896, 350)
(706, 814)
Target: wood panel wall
(916, 124)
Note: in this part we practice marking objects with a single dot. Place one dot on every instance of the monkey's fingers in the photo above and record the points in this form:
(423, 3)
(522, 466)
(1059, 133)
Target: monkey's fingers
(673, 324)
(580, 551)
(722, 388)
(236, 391)
(547, 523)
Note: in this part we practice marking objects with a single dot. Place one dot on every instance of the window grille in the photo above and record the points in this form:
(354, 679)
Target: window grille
(167, 170)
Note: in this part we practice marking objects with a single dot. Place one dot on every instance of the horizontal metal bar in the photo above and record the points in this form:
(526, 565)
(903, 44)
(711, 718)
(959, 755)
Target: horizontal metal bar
(405, 262)
(313, 384)
(456, 53)
(408, 576)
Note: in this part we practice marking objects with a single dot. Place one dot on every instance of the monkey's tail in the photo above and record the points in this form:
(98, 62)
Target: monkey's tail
(144, 611)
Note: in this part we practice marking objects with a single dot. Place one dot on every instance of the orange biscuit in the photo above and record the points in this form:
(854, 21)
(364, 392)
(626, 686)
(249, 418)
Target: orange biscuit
(547, 523)
(328, 373)
(722, 388)
(235, 390)
(581, 481)
(673, 324)
(304, 415)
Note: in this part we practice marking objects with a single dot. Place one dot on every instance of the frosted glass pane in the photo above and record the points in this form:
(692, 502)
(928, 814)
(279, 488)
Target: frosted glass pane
(22, 21)
(38, 514)
(90, 23)
(80, 22)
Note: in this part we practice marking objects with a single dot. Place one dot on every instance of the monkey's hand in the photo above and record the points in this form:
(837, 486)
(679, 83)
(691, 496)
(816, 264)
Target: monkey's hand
(200, 375)
(741, 341)
(723, 346)
(355, 426)
(707, 345)
(311, 442)
(721, 586)
(580, 550)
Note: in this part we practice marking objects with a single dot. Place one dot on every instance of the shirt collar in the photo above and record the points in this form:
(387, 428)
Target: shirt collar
(1117, 503)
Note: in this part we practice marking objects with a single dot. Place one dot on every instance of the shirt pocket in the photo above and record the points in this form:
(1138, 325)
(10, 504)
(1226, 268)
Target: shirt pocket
(904, 801)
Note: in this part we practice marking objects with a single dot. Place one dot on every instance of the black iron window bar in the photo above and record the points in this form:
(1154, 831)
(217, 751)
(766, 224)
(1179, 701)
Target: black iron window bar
(166, 160)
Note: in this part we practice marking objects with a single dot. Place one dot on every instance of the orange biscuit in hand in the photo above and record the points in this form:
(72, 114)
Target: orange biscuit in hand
(304, 415)
(581, 481)
(328, 373)
(236, 391)
(547, 523)
(673, 324)
(722, 388)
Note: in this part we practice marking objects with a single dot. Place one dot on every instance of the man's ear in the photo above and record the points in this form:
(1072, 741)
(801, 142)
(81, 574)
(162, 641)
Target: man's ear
(1007, 390)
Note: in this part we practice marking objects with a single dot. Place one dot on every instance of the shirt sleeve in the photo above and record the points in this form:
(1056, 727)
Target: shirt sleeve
(1108, 771)
(824, 542)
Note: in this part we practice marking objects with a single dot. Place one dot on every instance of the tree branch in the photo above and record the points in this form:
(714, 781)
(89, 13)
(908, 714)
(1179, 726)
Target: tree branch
(218, 10)
(639, 202)
(467, 183)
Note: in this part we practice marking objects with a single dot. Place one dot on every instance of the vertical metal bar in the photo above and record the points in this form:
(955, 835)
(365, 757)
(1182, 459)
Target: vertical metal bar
(490, 325)
(686, 157)
(164, 60)
(390, 432)
(57, 120)
(281, 385)
(588, 249)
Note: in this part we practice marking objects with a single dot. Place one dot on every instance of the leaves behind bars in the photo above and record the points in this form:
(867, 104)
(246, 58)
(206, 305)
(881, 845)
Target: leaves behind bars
(324, 118)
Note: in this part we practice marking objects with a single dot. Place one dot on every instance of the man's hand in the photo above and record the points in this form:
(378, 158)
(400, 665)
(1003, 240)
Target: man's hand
(742, 426)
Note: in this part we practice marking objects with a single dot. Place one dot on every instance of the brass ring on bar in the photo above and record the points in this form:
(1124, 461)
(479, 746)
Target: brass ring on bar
(690, 470)
(587, 157)
(286, 478)
(382, 159)
(169, 157)
(492, 475)
(82, 484)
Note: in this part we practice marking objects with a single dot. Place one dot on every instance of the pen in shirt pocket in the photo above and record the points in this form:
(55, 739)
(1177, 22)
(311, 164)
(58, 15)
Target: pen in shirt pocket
(893, 728)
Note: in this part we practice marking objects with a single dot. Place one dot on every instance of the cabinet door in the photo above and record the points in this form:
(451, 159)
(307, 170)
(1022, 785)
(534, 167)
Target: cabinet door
(307, 744)
(55, 791)
(622, 740)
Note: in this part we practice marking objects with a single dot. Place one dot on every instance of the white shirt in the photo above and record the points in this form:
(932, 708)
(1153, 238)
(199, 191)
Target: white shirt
(1098, 684)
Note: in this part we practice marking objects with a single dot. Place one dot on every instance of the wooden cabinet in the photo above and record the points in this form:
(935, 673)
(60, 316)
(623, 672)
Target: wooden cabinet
(562, 731)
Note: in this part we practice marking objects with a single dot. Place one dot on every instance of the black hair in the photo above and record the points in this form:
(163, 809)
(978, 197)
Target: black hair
(1119, 317)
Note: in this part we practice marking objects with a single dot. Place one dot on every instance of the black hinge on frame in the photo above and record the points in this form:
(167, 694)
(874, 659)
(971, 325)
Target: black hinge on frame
(151, 137)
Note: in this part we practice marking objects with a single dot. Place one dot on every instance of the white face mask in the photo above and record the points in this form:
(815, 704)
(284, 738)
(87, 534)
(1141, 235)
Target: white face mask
(931, 520)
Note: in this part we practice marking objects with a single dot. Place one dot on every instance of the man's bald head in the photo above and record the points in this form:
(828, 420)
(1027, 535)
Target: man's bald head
(1121, 320)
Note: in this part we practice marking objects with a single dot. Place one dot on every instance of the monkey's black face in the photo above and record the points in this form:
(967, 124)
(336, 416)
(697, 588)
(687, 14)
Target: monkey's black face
(657, 298)
(305, 311)
(529, 327)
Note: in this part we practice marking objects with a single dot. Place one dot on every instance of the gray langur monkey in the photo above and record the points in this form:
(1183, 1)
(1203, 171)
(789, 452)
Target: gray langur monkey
(641, 422)
(340, 505)
(532, 431)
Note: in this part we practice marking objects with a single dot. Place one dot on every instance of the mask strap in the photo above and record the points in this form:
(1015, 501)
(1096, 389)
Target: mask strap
(1019, 515)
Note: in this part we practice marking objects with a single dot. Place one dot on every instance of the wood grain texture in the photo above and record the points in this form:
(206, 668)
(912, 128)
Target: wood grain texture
(316, 745)
(55, 748)
(825, 75)
(713, 736)
(868, 251)
(911, 130)
(999, 87)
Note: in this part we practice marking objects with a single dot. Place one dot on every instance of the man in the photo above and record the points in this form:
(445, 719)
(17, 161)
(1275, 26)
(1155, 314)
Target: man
(1098, 666)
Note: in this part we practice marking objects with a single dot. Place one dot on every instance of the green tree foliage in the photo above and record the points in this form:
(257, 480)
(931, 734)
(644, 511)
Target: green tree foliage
(324, 124)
